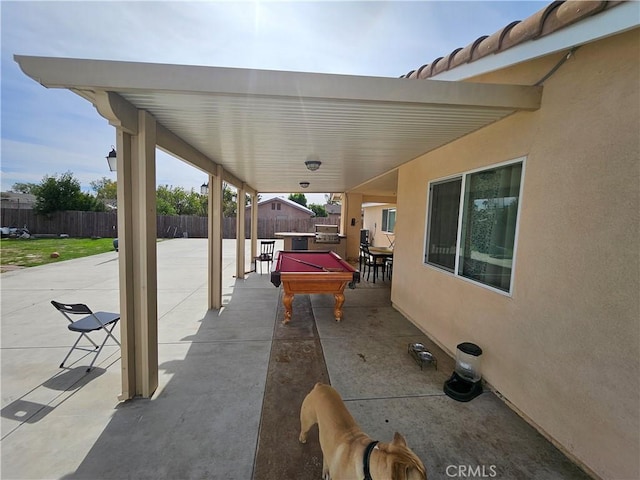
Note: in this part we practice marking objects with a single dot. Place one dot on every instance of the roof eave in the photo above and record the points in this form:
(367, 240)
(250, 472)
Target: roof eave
(605, 24)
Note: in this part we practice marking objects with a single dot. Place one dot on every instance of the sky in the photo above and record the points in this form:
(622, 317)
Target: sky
(52, 131)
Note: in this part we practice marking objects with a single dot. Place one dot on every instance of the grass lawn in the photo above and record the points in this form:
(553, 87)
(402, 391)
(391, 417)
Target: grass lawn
(33, 252)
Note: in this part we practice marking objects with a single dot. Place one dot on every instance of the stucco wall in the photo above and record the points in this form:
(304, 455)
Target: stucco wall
(372, 221)
(564, 348)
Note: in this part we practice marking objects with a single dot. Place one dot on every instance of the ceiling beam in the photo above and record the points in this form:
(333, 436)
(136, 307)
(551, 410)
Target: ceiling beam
(378, 199)
(172, 144)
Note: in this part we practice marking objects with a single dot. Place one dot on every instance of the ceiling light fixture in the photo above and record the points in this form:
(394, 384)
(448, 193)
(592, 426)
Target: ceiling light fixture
(304, 184)
(313, 163)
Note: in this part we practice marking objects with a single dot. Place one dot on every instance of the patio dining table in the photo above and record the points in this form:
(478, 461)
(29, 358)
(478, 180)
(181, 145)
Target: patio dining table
(382, 253)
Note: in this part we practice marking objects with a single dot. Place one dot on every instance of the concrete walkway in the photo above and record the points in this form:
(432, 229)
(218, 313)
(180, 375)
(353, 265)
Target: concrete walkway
(204, 419)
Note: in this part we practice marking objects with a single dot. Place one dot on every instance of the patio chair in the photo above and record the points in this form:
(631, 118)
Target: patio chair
(370, 262)
(388, 265)
(362, 258)
(266, 253)
(90, 322)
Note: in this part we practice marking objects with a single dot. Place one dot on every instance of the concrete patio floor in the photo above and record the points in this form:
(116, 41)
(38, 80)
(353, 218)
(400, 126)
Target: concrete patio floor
(204, 419)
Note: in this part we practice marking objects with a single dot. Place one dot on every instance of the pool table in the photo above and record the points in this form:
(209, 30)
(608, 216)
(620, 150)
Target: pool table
(312, 271)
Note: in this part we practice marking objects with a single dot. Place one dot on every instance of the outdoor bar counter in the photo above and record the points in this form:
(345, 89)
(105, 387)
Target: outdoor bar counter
(307, 241)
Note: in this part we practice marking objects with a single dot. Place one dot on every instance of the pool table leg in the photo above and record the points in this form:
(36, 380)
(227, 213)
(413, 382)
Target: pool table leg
(287, 301)
(337, 309)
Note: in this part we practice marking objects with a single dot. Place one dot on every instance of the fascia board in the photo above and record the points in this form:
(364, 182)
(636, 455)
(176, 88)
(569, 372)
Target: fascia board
(125, 77)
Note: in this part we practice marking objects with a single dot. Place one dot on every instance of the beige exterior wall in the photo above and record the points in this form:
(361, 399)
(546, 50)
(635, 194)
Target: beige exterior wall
(564, 348)
(352, 223)
(372, 221)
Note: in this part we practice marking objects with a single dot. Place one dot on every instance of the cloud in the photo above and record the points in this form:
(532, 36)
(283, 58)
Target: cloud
(336, 37)
(48, 131)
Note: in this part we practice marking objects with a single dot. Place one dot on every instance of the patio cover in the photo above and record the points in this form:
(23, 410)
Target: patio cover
(254, 129)
(262, 125)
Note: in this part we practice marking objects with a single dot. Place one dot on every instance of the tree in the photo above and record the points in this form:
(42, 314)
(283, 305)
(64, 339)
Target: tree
(24, 187)
(177, 201)
(105, 188)
(62, 192)
(299, 198)
(319, 210)
(229, 202)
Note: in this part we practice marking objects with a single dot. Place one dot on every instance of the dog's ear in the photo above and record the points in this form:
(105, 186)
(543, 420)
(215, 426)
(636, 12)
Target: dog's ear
(399, 440)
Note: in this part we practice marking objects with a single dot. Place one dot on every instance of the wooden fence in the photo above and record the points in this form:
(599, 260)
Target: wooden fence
(104, 224)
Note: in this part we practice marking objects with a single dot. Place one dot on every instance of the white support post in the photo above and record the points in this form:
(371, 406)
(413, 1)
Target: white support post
(125, 264)
(215, 239)
(137, 257)
(254, 227)
(240, 233)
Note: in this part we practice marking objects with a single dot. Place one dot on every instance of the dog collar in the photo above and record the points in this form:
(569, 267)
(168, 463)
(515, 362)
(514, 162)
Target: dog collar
(365, 460)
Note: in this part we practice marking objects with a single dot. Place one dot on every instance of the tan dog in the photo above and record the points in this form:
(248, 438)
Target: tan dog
(345, 447)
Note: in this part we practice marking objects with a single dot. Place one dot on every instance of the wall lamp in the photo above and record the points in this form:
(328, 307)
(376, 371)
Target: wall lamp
(304, 184)
(112, 159)
(204, 189)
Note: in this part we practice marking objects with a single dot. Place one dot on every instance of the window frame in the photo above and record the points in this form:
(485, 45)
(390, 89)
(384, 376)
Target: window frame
(461, 210)
(440, 181)
(385, 225)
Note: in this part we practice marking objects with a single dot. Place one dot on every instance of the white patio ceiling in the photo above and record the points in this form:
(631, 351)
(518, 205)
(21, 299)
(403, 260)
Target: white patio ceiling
(262, 125)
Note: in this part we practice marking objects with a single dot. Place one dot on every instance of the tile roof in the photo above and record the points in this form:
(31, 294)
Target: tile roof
(555, 16)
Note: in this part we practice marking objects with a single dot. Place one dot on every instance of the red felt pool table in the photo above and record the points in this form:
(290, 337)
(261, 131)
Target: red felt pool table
(312, 271)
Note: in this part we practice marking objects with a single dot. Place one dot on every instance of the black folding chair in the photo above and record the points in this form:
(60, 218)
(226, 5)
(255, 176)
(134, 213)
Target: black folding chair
(90, 322)
(266, 253)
